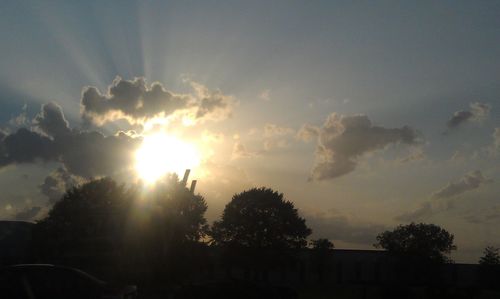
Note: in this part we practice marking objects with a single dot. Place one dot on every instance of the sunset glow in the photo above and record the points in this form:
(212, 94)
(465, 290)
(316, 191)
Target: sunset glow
(161, 154)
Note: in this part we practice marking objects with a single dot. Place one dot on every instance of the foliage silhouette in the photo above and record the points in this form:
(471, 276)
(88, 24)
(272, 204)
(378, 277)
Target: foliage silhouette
(421, 241)
(417, 251)
(90, 215)
(489, 267)
(258, 230)
(321, 244)
(491, 256)
(104, 222)
(260, 218)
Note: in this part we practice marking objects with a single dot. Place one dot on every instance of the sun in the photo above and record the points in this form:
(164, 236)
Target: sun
(160, 154)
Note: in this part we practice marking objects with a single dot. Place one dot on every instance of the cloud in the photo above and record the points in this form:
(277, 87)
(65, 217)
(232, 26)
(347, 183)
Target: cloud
(25, 146)
(470, 181)
(136, 102)
(445, 202)
(57, 182)
(208, 137)
(83, 153)
(241, 151)
(343, 139)
(271, 130)
(336, 226)
(51, 120)
(21, 119)
(478, 112)
(425, 209)
(416, 154)
(308, 132)
(212, 104)
(275, 144)
(130, 99)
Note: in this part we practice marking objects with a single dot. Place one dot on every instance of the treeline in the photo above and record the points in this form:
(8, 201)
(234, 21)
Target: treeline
(161, 233)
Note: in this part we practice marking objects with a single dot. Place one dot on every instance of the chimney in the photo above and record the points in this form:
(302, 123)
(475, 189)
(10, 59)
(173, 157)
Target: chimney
(193, 185)
(186, 176)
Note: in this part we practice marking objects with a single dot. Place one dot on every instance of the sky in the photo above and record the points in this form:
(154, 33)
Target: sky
(365, 114)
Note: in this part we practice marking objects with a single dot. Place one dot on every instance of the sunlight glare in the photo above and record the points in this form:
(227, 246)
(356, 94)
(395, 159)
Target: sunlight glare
(160, 154)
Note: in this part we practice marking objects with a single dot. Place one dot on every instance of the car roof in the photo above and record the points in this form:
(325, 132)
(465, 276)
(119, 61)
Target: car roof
(20, 267)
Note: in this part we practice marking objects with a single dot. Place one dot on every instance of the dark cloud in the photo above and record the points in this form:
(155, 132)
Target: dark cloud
(211, 104)
(335, 226)
(25, 146)
(136, 102)
(51, 120)
(470, 181)
(57, 182)
(130, 99)
(477, 112)
(91, 154)
(343, 139)
(83, 153)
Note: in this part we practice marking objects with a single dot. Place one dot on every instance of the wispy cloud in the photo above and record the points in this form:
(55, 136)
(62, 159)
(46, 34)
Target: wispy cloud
(469, 181)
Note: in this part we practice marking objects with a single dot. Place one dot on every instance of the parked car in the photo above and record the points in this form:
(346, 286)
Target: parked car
(40, 281)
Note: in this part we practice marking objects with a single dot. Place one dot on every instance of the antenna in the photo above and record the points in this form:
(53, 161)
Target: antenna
(193, 185)
(186, 176)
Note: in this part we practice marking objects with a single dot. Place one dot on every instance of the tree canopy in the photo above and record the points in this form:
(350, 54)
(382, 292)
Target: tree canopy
(260, 218)
(104, 215)
(418, 241)
(490, 256)
(321, 244)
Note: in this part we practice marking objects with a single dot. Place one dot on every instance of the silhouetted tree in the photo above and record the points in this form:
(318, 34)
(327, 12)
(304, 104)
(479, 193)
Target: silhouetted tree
(321, 244)
(155, 227)
(418, 251)
(257, 230)
(490, 256)
(321, 253)
(178, 224)
(489, 267)
(424, 241)
(89, 217)
(260, 218)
